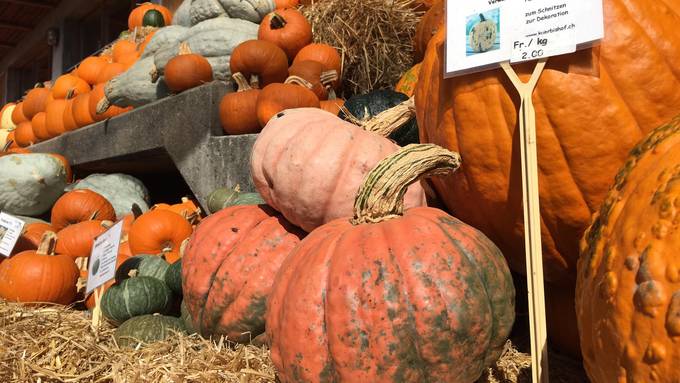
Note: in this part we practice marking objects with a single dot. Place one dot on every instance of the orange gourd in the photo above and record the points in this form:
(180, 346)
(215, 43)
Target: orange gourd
(81, 205)
(287, 28)
(187, 70)
(76, 240)
(159, 231)
(68, 85)
(54, 117)
(18, 114)
(69, 121)
(110, 71)
(90, 68)
(627, 301)
(39, 275)
(35, 102)
(137, 15)
(324, 54)
(23, 135)
(262, 62)
(81, 110)
(238, 110)
(275, 98)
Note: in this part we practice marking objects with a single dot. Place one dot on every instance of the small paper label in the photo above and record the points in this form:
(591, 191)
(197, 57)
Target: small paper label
(102, 267)
(480, 34)
(10, 231)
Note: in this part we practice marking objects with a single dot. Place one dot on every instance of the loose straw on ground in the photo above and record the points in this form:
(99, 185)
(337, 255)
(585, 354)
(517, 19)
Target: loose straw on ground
(374, 38)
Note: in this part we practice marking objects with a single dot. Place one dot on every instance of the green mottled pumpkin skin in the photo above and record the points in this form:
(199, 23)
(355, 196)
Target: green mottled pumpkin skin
(146, 329)
(367, 106)
(418, 298)
(134, 297)
(146, 266)
(173, 277)
(226, 197)
(153, 18)
(229, 266)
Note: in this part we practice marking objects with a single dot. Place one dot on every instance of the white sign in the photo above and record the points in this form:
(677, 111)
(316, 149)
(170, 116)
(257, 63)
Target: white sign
(102, 267)
(10, 231)
(480, 34)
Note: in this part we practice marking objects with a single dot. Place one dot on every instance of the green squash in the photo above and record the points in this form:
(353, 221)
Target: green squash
(173, 277)
(226, 197)
(153, 18)
(147, 329)
(143, 266)
(186, 319)
(367, 106)
(135, 296)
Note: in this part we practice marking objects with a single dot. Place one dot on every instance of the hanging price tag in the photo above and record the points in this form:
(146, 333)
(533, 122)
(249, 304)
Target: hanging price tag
(102, 267)
(10, 231)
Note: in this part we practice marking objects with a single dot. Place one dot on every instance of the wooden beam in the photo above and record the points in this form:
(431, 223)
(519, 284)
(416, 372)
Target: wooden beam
(18, 27)
(7, 45)
(30, 3)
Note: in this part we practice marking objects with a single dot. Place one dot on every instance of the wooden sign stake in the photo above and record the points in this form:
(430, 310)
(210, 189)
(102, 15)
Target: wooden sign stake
(97, 311)
(532, 220)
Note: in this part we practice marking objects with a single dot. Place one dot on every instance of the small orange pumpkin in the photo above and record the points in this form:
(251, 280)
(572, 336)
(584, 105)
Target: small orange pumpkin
(23, 135)
(238, 111)
(110, 71)
(96, 95)
(31, 236)
(90, 68)
(187, 70)
(54, 118)
(324, 54)
(187, 209)
(18, 114)
(260, 61)
(159, 231)
(275, 98)
(136, 17)
(76, 240)
(35, 102)
(333, 104)
(81, 110)
(318, 80)
(122, 50)
(68, 85)
(81, 205)
(287, 28)
(69, 121)
(39, 275)
(282, 4)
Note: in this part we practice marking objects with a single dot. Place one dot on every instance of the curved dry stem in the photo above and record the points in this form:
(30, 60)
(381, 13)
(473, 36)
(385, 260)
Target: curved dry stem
(103, 105)
(297, 80)
(388, 121)
(48, 243)
(241, 82)
(381, 195)
(184, 48)
(329, 76)
(155, 75)
(255, 81)
(277, 21)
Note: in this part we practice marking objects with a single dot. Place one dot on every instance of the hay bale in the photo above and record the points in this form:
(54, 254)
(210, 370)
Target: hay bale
(57, 344)
(374, 37)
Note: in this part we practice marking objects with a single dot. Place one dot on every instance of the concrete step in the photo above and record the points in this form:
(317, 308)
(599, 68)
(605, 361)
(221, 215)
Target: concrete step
(180, 132)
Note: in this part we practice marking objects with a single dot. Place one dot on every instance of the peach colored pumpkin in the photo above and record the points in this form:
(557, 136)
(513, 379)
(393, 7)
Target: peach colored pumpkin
(308, 164)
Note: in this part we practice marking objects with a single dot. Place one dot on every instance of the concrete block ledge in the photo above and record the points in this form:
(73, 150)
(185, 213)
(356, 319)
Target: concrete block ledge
(183, 127)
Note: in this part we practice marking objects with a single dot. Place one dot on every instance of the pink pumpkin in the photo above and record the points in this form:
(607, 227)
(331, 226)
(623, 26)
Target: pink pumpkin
(308, 164)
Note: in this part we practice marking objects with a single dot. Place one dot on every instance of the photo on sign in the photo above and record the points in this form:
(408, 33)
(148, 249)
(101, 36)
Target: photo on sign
(3, 230)
(95, 267)
(483, 32)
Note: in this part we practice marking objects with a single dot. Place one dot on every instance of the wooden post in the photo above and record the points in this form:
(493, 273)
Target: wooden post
(532, 220)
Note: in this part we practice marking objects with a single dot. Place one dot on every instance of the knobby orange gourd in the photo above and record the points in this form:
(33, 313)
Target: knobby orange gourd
(627, 300)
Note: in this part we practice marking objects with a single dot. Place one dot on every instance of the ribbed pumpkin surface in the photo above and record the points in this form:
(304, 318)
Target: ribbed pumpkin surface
(420, 298)
(628, 286)
(146, 329)
(134, 297)
(591, 108)
(229, 266)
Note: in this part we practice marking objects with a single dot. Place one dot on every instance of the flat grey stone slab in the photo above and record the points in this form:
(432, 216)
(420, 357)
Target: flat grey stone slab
(183, 127)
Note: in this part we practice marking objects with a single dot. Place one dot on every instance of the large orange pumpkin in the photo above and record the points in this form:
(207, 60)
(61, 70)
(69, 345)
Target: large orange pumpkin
(591, 108)
(39, 275)
(81, 205)
(627, 300)
(393, 294)
(137, 15)
(159, 231)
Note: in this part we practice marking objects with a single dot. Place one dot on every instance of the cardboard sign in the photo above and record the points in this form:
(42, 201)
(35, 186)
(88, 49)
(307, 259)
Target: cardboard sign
(10, 231)
(102, 267)
(483, 33)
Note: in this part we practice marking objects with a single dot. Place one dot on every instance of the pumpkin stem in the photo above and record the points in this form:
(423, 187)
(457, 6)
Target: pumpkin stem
(107, 224)
(329, 76)
(183, 247)
(255, 81)
(241, 81)
(48, 243)
(70, 93)
(381, 195)
(237, 188)
(277, 21)
(184, 48)
(297, 80)
(94, 215)
(8, 144)
(155, 75)
(136, 210)
(103, 105)
(386, 122)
